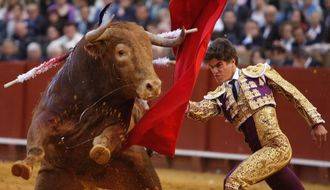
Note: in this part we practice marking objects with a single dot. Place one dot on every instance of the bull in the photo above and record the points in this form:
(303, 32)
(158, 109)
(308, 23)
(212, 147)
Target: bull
(79, 126)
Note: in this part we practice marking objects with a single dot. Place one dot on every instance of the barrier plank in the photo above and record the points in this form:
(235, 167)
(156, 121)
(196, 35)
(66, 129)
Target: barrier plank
(11, 100)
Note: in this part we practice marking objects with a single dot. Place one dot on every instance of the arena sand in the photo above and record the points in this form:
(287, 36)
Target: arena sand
(170, 179)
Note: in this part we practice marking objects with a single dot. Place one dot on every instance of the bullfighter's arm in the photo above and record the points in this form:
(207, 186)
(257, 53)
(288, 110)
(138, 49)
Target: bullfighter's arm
(203, 110)
(304, 107)
(209, 107)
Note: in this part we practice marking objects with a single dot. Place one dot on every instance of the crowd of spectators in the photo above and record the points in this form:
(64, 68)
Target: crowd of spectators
(282, 33)
(277, 32)
(38, 30)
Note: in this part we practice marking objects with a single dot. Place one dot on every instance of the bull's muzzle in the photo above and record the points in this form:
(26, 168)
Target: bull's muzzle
(149, 89)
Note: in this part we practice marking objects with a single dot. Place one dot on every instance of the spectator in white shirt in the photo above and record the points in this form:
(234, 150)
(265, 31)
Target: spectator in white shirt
(70, 38)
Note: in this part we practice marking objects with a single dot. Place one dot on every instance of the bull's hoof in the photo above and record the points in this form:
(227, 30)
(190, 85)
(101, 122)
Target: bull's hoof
(100, 154)
(21, 169)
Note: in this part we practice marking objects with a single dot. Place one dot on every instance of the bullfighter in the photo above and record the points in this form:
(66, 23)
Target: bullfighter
(245, 98)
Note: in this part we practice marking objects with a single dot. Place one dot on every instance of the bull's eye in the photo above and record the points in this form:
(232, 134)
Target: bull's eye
(121, 52)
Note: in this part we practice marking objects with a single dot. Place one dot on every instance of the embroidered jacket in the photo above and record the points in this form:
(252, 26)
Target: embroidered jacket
(255, 90)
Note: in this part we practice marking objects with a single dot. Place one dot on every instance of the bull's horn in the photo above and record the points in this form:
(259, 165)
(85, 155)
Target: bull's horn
(94, 34)
(169, 42)
(163, 61)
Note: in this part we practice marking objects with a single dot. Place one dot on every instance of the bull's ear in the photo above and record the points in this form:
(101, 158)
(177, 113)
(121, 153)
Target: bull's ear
(95, 49)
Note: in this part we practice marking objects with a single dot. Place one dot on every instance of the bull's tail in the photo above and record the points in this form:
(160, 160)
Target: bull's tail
(23, 168)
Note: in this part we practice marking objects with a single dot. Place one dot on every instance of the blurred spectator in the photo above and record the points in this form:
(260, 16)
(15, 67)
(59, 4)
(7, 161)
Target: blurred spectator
(279, 57)
(70, 38)
(327, 20)
(316, 31)
(65, 10)
(37, 24)
(327, 13)
(54, 50)
(84, 25)
(8, 51)
(258, 12)
(242, 12)
(14, 16)
(309, 7)
(52, 34)
(270, 32)
(54, 20)
(257, 56)
(232, 30)
(125, 10)
(155, 6)
(3, 32)
(252, 38)
(34, 52)
(164, 20)
(22, 38)
(252, 25)
(142, 15)
(302, 59)
(286, 39)
(80, 3)
(2, 9)
(299, 38)
(298, 20)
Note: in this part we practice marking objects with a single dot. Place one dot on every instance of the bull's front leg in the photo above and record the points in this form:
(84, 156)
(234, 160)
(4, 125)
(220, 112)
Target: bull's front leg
(35, 152)
(106, 143)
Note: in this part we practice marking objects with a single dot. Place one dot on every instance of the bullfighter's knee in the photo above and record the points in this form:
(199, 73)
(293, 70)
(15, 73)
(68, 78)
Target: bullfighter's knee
(283, 148)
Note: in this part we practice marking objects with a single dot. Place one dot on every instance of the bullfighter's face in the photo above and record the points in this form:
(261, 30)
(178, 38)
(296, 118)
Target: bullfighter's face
(222, 70)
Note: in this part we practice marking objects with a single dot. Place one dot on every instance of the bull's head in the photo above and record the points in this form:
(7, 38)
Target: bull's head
(128, 46)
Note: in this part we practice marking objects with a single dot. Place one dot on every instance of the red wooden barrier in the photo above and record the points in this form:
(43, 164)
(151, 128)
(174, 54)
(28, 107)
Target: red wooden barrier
(17, 103)
(11, 101)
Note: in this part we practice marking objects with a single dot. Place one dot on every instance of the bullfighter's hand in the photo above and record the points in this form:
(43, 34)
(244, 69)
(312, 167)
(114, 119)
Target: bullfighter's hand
(319, 134)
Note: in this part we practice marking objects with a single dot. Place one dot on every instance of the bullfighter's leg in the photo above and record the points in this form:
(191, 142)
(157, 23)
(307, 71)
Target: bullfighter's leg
(274, 155)
(35, 151)
(284, 179)
(105, 143)
(50, 178)
(131, 169)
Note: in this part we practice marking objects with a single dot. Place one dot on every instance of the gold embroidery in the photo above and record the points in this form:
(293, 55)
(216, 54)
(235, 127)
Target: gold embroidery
(216, 93)
(274, 155)
(256, 93)
(255, 71)
(248, 95)
(304, 107)
(203, 110)
(252, 84)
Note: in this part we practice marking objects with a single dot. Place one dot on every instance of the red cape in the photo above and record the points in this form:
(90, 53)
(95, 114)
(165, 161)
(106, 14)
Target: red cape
(159, 128)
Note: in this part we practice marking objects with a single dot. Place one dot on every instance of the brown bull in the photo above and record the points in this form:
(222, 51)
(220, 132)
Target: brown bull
(83, 117)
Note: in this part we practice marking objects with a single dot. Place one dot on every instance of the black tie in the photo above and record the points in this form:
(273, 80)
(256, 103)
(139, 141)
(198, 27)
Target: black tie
(233, 88)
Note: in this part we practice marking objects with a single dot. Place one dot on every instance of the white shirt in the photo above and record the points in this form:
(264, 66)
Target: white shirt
(313, 32)
(67, 43)
(235, 77)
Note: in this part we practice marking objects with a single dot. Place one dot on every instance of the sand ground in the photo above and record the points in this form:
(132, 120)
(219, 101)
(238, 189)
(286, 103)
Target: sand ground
(170, 179)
